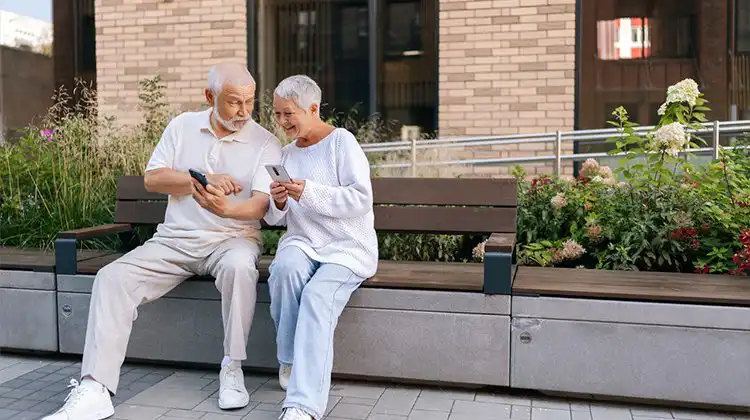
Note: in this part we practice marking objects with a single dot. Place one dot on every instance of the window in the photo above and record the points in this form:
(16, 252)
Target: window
(641, 37)
(742, 22)
(335, 43)
(403, 32)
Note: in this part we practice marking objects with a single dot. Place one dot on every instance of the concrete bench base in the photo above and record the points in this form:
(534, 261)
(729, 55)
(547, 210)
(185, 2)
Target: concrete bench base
(671, 352)
(447, 337)
(28, 310)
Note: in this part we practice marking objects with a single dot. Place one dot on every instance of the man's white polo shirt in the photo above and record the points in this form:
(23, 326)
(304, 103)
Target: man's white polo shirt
(190, 142)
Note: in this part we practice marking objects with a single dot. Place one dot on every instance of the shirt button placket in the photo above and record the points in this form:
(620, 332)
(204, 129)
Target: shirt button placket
(213, 156)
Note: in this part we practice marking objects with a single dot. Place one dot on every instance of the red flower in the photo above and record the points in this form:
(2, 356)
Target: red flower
(742, 257)
(702, 269)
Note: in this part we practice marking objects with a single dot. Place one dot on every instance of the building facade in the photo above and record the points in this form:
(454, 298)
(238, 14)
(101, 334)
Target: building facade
(452, 67)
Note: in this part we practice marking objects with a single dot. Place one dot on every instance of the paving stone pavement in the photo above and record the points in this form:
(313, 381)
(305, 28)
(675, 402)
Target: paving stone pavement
(33, 387)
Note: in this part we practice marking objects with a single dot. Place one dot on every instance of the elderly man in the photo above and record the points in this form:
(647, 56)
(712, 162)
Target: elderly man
(213, 231)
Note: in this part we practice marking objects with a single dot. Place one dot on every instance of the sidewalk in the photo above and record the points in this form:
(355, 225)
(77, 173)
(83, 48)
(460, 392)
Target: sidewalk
(32, 387)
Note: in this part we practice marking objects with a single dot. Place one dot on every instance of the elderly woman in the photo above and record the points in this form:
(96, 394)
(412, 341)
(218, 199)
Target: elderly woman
(329, 249)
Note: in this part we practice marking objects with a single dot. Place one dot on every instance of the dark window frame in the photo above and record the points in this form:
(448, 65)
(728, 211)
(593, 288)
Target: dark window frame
(374, 19)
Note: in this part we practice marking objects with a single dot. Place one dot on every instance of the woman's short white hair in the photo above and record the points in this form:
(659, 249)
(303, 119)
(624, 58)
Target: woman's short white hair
(301, 89)
(228, 73)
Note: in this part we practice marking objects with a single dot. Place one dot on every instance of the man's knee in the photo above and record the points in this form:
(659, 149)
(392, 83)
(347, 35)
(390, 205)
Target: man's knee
(239, 266)
(110, 278)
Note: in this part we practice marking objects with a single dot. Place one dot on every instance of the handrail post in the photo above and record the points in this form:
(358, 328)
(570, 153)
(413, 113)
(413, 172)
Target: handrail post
(558, 153)
(716, 138)
(413, 157)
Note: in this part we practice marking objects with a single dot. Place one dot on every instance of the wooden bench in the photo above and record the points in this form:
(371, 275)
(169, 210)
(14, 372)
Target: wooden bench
(28, 309)
(662, 336)
(412, 320)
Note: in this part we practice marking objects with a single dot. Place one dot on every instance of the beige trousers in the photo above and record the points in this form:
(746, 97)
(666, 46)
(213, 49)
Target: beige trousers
(149, 272)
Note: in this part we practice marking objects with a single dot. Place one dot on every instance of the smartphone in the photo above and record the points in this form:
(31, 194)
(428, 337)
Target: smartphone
(279, 174)
(199, 177)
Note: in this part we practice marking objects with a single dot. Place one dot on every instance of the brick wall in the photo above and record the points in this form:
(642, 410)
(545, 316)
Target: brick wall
(178, 39)
(506, 67)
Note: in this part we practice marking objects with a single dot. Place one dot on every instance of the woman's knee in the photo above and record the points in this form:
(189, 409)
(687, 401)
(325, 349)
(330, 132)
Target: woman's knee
(291, 265)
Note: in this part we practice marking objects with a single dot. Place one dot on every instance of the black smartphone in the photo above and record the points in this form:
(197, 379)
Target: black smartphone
(199, 177)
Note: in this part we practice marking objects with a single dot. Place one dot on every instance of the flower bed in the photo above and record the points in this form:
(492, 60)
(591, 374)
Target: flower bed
(657, 211)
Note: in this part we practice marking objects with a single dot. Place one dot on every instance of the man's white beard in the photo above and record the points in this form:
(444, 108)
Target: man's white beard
(228, 124)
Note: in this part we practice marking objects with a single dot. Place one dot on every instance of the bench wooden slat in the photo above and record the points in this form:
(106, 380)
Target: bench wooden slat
(392, 218)
(34, 259)
(140, 212)
(132, 188)
(391, 274)
(633, 285)
(445, 219)
(498, 192)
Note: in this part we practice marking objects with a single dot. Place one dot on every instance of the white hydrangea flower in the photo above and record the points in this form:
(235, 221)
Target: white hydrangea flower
(670, 138)
(662, 109)
(683, 91)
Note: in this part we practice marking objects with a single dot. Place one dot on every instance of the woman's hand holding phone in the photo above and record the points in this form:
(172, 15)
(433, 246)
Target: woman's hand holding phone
(279, 194)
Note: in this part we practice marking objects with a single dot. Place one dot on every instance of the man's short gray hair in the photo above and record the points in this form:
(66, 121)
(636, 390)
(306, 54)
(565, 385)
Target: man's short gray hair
(301, 89)
(228, 73)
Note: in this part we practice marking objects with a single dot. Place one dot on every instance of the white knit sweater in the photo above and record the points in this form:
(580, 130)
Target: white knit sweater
(333, 222)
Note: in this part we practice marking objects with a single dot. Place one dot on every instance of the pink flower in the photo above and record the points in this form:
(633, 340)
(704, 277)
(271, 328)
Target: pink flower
(590, 168)
(594, 232)
(558, 201)
(478, 251)
(571, 250)
(48, 134)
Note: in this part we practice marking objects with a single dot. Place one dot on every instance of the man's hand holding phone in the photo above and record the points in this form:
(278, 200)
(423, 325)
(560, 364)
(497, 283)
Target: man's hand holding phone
(211, 199)
(221, 182)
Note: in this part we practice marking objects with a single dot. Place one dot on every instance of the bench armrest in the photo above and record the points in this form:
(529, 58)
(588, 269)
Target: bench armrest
(500, 242)
(499, 263)
(66, 244)
(94, 232)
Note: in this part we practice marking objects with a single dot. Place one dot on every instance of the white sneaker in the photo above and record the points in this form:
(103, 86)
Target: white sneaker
(294, 414)
(232, 391)
(89, 400)
(285, 372)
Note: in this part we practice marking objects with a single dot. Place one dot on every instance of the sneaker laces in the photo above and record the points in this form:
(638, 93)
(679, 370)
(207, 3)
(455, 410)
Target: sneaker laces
(232, 379)
(294, 413)
(74, 396)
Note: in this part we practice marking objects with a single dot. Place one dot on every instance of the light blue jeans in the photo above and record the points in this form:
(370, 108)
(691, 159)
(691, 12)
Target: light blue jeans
(307, 298)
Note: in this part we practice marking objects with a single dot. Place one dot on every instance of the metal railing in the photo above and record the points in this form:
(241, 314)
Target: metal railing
(558, 138)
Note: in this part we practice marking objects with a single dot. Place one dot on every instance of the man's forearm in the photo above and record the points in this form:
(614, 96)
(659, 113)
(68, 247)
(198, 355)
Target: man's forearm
(253, 209)
(168, 181)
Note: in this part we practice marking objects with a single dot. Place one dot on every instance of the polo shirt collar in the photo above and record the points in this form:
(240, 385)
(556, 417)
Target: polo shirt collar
(206, 126)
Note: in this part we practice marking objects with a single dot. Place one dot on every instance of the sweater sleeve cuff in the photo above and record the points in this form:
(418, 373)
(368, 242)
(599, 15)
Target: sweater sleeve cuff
(274, 215)
(310, 194)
